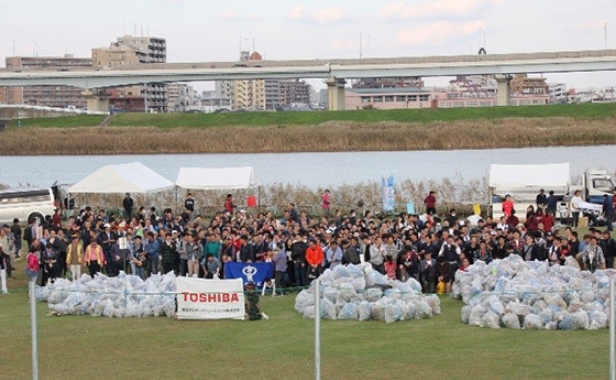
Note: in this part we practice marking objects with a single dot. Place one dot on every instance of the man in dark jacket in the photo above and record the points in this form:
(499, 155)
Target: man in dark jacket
(246, 252)
(128, 204)
(609, 249)
(16, 231)
(349, 255)
(298, 255)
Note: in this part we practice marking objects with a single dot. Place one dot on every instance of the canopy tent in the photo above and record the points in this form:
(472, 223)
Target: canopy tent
(217, 178)
(122, 178)
(547, 175)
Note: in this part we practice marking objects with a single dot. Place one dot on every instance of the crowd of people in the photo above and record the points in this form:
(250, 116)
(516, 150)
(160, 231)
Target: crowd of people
(428, 248)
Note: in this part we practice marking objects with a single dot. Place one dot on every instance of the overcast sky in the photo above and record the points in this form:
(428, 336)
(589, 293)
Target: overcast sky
(198, 30)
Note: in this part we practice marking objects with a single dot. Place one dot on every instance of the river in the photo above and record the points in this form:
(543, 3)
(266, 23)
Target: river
(312, 169)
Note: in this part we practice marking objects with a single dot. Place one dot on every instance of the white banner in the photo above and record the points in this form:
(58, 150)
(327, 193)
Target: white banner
(210, 299)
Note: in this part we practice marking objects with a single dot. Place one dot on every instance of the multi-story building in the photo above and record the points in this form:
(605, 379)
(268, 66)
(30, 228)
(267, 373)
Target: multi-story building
(389, 82)
(294, 92)
(130, 50)
(180, 96)
(45, 96)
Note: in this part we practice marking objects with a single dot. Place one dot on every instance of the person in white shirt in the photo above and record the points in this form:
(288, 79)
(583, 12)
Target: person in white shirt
(576, 201)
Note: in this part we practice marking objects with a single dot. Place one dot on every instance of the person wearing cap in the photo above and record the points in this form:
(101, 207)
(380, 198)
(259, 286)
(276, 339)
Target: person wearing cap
(74, 255)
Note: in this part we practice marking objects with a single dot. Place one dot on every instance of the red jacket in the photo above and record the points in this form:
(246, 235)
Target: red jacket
(314, 256)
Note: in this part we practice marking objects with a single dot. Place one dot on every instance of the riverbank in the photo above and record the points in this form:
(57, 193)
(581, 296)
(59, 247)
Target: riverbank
(333, 136)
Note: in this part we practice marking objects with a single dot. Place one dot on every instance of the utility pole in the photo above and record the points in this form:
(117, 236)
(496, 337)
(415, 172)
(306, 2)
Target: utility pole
(361, 54)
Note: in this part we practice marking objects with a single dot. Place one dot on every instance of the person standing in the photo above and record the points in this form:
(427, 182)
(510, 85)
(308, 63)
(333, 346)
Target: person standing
(608, 210)
(430, 202)
(350, 255)
(74, 255)
(314, 258)
(280, 266)
(508, 206)
(593, 258)
(152, 250)
(576, 202)
(192, 255)
(49, 257)
(552, 202)
(229, 206)
(17, 237)
(189, 203)
(542, 201)
(94, 258)
(168, 253)
(128, 204)
(33, 265)
(3, 267)
(333, 255)
(325, 202)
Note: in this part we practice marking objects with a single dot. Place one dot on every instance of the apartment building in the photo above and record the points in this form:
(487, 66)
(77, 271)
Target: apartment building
(131, 50)
(45, 96)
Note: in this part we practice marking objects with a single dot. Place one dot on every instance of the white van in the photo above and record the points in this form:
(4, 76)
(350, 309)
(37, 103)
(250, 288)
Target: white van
(26, 204)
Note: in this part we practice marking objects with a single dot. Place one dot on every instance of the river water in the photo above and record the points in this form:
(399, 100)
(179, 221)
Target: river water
(312, 169)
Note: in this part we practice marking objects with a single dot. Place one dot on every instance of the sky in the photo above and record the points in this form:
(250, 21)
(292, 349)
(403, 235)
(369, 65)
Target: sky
(204, 31)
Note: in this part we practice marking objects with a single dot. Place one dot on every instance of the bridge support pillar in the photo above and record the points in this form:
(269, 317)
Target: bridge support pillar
(503, 95)
(97, 100)
(336, 92)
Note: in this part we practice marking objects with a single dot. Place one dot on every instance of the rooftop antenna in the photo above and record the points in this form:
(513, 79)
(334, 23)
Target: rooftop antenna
(605, 35)
(253, 45)
(141, 30)
(147, 30)
(135, 29)
(13, 48)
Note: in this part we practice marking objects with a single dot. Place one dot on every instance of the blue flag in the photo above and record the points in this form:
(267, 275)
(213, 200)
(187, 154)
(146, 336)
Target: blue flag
(255, 272)
(389, 195)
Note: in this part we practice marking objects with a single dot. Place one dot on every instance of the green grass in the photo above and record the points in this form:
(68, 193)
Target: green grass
(282, 348)
(64, 122)
(578, 111)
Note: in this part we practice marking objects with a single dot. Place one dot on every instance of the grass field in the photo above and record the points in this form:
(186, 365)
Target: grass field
(262, 119)
(282, 347)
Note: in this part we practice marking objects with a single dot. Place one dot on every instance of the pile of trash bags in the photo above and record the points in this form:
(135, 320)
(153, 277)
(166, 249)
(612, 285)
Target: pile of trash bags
(357, 292)
(119, 297)
(516, 294)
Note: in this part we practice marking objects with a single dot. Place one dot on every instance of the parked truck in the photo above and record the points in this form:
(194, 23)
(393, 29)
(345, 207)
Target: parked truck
(524, 182)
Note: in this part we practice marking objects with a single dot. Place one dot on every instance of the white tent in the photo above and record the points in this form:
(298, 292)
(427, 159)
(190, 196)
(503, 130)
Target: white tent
(217, 178)
(122, 178)
(546, 175)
